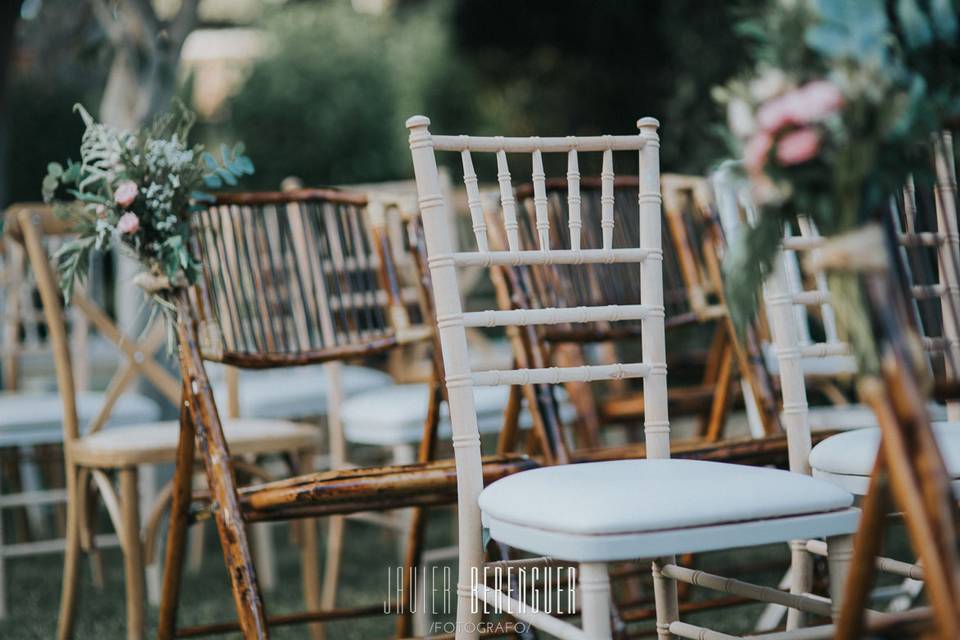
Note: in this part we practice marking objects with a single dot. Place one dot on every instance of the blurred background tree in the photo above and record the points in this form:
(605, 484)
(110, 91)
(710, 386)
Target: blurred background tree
(325, 96)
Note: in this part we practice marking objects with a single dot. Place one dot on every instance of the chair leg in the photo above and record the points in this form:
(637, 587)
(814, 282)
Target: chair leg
(665, 598)
(264, 559)
(801, 580)
(71, 559)
(3, 562)
(177, 527)
(595, 600)
(331, 572)
(839, 555)
(310, 570)
(132, 552)
(195, 537)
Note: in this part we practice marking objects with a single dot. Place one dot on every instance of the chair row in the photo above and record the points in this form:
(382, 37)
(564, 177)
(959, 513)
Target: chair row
(309, 277)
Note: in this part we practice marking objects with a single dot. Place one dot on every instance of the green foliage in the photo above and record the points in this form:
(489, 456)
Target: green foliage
(135, 189)
(328, 101)
(895, 73)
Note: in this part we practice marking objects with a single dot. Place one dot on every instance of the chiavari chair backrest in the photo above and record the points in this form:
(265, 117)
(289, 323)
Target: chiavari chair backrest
(452, 321)
(297, 277)
(924, 221)
(37, 229)
(783, 295)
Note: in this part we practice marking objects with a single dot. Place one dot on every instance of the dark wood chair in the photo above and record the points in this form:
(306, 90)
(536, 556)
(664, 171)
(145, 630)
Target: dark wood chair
(288, 279)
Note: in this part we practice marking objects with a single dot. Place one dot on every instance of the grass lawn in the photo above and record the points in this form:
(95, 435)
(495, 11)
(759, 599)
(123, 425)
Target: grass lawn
(34, 588)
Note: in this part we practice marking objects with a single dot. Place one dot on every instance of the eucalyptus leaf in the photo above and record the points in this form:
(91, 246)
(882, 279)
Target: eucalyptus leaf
(916, 29)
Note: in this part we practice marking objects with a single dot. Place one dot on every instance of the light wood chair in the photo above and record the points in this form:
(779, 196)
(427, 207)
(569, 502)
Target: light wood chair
(288, 279)
(94, 453)
(592, 513)
(31, 415)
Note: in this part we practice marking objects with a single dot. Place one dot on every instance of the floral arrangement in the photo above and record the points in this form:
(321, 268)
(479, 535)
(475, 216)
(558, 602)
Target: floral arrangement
(838, 113)
(135, 190)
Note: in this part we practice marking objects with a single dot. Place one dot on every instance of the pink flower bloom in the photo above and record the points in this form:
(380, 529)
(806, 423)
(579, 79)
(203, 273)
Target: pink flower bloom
(798, 146)
(126, 193)
(810, 103)
(100, 210)
(777, 113)
(755, 152)
(128, 223)
(818, 100)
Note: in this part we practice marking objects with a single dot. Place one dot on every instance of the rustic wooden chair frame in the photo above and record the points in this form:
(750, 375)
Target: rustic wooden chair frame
(288, 294)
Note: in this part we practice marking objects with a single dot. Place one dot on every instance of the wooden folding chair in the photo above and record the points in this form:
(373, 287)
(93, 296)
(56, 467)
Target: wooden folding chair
(102, 449)
(288, 279)
(594, 513)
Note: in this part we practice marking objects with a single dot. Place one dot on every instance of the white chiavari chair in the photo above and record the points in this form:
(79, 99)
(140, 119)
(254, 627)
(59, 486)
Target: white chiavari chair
(847, 459)
(595, 513)
(930, 254)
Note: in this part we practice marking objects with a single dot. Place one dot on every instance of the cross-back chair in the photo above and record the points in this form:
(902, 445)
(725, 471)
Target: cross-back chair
(288, 279)
(101, 450)
(594, 513)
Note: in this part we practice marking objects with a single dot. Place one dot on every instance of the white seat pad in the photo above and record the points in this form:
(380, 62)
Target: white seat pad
(854, 416)
(295, 392)
(395, 415)
(638, 508)
(847, 458)
(37, 418)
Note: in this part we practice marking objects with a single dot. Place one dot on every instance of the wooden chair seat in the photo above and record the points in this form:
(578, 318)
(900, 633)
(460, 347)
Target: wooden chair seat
(37, 418)
(691, 506)
(847, 459)
(157, 442)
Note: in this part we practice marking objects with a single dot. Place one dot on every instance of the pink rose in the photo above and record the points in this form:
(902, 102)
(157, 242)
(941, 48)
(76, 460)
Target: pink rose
(126, 193)
(818, 100)
(798, 146)
(810, 103)
(777, 113)
(756, 150)
(128, 223)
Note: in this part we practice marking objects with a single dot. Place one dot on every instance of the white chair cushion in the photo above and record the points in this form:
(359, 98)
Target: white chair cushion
(646, 508)
(846, 459)
(37, 418)
(295, 392)
(854, 416)
(395, 415)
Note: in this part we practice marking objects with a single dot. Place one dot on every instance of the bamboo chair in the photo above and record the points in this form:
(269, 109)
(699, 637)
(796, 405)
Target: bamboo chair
(95, 453)
(288, 279)
(616, 521)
